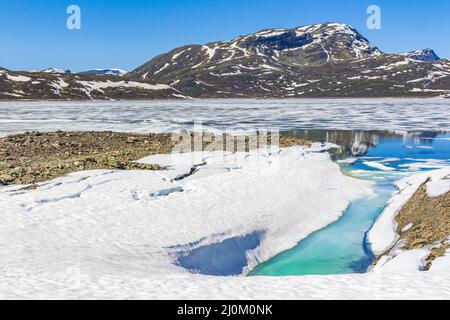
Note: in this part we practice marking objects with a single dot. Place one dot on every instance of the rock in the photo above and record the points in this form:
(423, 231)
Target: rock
(78, 163)
(119, 165)
(56, 145)
(132, 140)
(6, 179)
(418, 242)
(18, 171)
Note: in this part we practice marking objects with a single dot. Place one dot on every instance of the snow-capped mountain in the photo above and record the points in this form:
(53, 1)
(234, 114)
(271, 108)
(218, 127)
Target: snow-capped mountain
(322, 60)
(115, 72)
(266, 51)
(427, 55)
(54, 70)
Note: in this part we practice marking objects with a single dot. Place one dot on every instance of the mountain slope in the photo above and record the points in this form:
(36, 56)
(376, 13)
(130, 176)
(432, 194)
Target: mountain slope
(324, 60)
(66, 86)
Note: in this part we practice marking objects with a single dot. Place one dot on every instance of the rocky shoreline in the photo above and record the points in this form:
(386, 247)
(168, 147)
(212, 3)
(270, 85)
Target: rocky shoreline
(425, 221)
(35, 157)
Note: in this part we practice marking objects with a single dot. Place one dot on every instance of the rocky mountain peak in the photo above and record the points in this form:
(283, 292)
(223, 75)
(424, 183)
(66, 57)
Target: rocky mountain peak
(427, 55)
(270, 49)
(327, 59)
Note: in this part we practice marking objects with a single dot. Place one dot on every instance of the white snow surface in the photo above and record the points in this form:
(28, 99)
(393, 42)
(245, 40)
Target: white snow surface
(74, 285)
(125, 224)
(110, 234)
(438, 186)
(442, 263)
(407, 261)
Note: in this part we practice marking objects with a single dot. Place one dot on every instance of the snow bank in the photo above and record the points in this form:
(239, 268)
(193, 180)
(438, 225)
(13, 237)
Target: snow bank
(438, 186)
(118, 223)
(74, 284)
(442, 264)
(113, 234)
(403, 261)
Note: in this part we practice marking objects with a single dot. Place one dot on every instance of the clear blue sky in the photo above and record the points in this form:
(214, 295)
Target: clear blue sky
(127, 33)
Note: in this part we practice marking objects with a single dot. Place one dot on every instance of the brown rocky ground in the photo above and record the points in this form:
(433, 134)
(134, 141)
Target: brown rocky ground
(430, 219)
(34, 157)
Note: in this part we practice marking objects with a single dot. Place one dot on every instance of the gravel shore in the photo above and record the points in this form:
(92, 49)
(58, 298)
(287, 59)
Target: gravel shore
(35, 157)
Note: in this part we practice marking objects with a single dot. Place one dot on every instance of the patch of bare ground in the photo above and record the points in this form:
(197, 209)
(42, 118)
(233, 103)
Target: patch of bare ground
(425, 221)
(35, 157)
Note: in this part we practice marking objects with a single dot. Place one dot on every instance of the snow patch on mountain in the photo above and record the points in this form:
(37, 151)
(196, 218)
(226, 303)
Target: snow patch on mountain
(17, 78)
(99, 85)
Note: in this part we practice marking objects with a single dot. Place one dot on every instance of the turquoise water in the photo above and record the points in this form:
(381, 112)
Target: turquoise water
(338, 248)
(341, 247)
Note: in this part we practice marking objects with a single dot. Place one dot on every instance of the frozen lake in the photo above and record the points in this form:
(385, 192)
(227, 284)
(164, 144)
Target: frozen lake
(156, 116)
(349, 123)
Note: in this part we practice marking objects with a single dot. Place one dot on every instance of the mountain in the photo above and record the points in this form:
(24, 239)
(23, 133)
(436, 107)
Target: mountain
(323, 60)
(427, 55)
(54, 70)
(67, 86)
(115, 72)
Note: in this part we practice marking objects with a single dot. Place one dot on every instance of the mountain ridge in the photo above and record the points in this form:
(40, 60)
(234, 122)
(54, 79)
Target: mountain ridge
(320, 60)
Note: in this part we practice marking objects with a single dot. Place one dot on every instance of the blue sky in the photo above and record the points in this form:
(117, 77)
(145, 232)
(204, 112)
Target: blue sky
(125, 34)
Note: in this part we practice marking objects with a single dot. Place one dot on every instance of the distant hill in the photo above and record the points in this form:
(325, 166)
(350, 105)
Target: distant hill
(115, 72)
(67, 86)
(427, 55)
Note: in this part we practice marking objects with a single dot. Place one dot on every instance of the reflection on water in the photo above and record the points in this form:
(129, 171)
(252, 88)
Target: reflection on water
(226, 258)
(357, 143)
